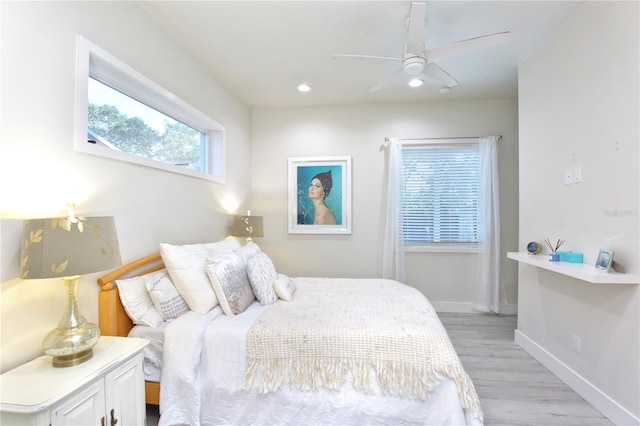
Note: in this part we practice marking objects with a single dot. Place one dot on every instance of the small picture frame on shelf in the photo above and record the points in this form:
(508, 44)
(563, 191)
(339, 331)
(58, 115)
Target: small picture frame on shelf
(604, 261)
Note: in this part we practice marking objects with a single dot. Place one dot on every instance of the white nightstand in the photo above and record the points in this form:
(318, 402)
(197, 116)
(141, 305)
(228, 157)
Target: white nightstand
(105, 390)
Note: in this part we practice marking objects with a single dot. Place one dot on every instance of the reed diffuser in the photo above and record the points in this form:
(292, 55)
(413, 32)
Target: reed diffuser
(554, 256)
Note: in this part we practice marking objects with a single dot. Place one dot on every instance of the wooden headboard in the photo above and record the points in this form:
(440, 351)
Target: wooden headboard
(113, 319)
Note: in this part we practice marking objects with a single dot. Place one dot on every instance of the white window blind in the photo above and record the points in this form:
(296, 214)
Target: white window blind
(440, 192)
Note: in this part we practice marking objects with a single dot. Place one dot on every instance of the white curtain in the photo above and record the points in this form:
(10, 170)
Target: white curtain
(393, 248)
(489, 287)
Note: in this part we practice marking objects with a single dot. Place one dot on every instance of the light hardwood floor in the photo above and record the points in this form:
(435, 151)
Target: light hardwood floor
(514, 388)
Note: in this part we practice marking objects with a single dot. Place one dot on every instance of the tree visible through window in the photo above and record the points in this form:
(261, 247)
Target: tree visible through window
(440, 193)
(122, 123)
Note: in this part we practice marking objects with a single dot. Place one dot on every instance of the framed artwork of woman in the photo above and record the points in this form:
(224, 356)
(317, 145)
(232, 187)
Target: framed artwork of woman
(320, 195)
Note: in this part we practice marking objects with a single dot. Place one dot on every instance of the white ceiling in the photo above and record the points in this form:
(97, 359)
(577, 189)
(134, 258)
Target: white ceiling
(262, 50)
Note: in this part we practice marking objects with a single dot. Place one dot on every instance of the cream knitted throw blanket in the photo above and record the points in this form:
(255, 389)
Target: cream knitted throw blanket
(367, 330)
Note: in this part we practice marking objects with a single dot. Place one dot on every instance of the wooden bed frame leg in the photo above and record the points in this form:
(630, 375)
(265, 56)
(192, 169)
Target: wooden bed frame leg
(152, 393)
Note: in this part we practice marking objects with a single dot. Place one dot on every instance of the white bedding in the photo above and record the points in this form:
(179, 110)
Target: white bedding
(203, 385)
(153, 351)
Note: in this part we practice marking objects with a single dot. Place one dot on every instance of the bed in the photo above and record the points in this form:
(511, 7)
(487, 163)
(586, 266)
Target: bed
(302, 350)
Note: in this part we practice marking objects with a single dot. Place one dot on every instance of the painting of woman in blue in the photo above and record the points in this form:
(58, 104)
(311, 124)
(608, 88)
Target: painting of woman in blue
(319, 193)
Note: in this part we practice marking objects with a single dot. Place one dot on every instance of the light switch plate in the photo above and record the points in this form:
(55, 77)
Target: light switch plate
(577, 174)
(568, 176)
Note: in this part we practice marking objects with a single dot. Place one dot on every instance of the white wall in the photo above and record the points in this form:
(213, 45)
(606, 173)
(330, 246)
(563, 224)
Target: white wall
(359, 132)
(40, 171)
(578, 101)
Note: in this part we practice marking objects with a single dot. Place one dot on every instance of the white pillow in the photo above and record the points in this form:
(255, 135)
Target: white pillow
(165, 297)
(262, 274)
(228, 274)
(136, 301)
(284, 287)
(186, 267)
(248, 250)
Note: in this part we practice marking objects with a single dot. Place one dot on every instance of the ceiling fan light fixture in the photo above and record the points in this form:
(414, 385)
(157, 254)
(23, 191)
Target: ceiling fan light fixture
(416, 82)
(304, 88)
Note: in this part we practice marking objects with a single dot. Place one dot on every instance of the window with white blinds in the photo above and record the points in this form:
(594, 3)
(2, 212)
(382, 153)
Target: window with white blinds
(440, 192)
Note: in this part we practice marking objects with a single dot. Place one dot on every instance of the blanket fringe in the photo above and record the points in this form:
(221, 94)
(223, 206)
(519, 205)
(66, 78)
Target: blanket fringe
(405, 380)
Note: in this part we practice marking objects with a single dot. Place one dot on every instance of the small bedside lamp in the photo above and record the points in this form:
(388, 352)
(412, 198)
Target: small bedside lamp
(67, 248)
(247, 226)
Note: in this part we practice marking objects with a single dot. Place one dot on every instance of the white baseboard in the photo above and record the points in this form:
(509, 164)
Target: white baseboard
(467, 308)
(594, 396)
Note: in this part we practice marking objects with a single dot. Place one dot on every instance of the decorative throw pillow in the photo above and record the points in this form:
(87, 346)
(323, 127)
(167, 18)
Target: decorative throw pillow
(284, 287)
(248, 250)
(228, 274)
(166, 298)
(262, 274)
(137, 302)
(186, 267)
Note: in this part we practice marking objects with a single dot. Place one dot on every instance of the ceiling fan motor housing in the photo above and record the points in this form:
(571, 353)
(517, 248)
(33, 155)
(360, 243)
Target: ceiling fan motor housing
(413, 65)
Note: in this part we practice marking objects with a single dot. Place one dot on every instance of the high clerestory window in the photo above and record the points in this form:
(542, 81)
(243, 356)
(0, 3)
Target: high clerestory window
(124, 115)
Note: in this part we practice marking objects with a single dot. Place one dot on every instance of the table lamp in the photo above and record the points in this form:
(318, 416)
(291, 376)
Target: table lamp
(247, 226)
(67, 248)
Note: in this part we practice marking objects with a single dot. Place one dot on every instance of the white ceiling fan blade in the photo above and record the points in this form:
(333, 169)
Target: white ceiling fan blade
(434, 71)
(436, 54)
(341, 55)
(384, 82)
(415, 36)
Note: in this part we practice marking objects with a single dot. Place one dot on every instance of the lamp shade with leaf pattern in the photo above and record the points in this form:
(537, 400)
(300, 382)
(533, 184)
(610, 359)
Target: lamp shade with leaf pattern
(68, 248)
(247, 226)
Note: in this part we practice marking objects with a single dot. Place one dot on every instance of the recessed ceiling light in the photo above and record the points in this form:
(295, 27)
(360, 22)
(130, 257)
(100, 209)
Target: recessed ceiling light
(304, 88)
(445, 89)
(416, 82)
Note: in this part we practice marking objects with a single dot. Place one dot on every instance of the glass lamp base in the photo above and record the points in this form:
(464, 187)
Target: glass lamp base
(71, 342)
(71, 346)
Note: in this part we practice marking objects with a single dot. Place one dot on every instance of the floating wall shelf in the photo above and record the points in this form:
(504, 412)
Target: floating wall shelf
(581, 271)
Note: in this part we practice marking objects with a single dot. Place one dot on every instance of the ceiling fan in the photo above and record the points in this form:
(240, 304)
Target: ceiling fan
(419, 61)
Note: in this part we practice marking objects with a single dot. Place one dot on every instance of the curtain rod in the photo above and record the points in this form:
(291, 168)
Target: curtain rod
(422, 139)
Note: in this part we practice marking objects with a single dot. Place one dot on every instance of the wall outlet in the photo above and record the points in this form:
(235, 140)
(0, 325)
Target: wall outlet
(577, 174)
(576, 343)
(568, 176)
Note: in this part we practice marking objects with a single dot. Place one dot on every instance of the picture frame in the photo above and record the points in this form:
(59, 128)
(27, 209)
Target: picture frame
(312, 210)
(604, 261)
